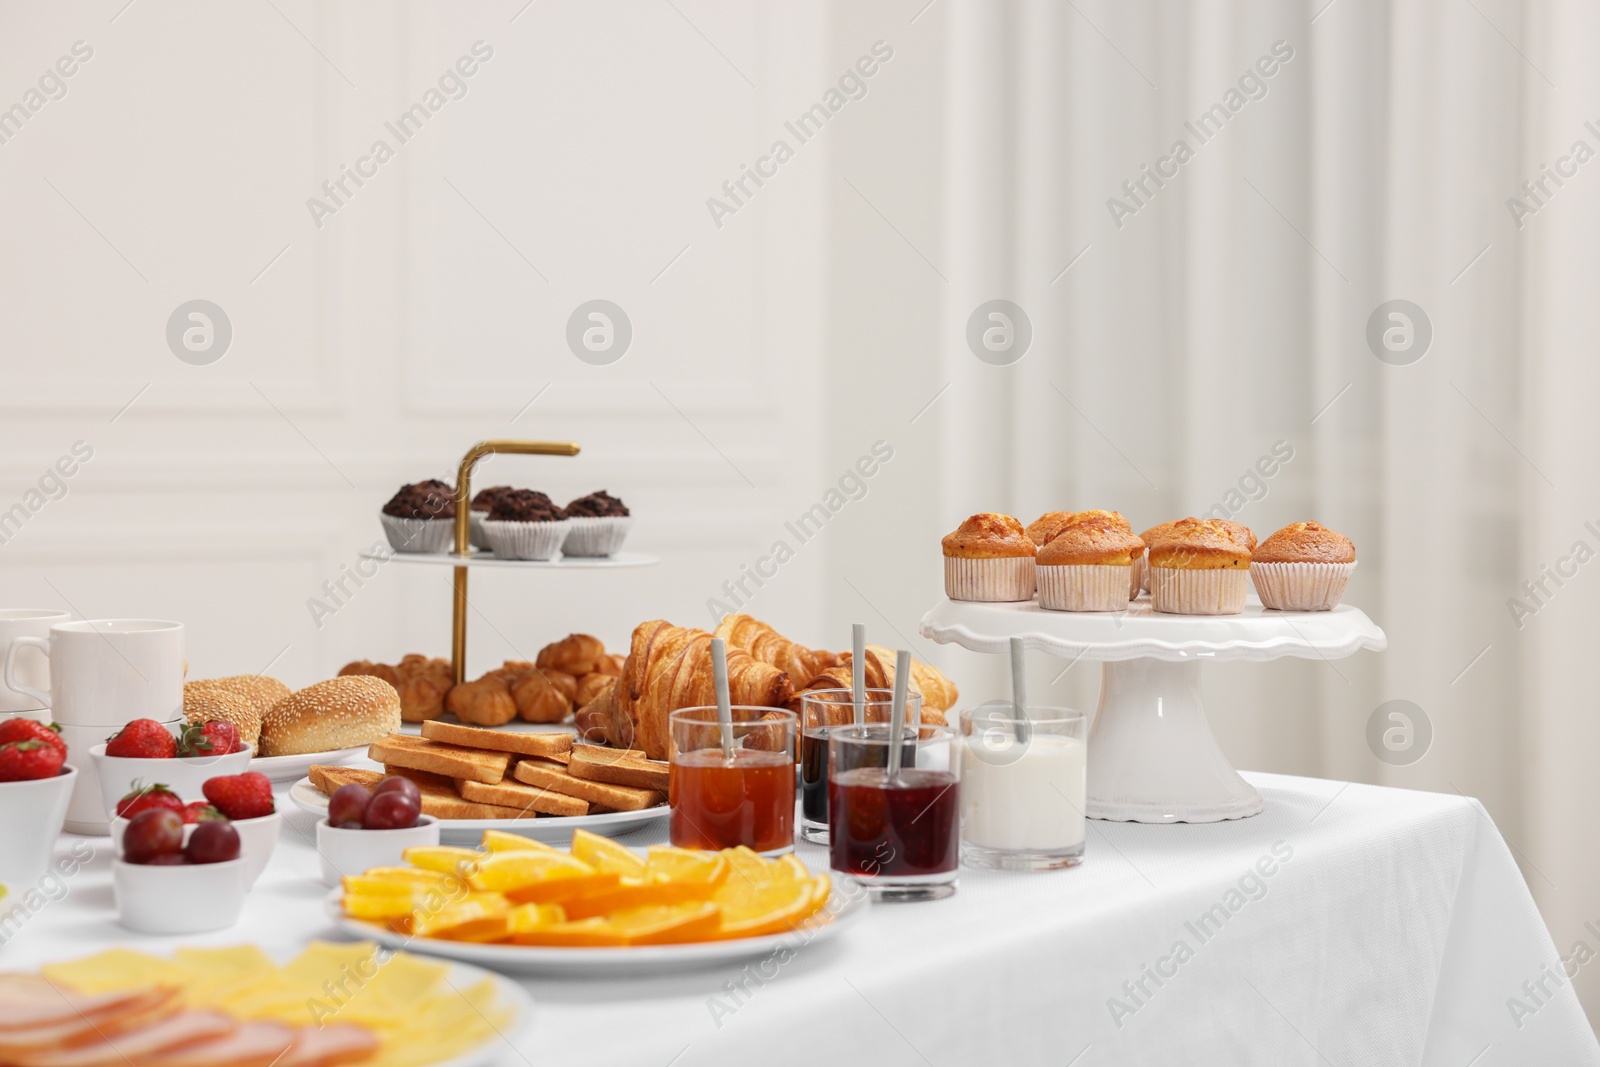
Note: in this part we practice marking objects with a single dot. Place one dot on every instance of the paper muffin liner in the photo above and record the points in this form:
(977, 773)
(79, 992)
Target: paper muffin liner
(1301, 586)
(1208, 591)
(1084, 587)
(526, 540)
(419, 535)
(1138, 579)
(596, 535)
(1005, 578)
(475, 535)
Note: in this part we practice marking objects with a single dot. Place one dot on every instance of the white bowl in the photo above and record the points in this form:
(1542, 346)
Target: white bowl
(354, 851)
(87, 812)
(185, 777)
(31, 815)
(258, 838)
(190, 899)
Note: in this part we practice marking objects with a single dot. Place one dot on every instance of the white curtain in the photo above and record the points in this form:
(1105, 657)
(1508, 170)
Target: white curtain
(1225, 316)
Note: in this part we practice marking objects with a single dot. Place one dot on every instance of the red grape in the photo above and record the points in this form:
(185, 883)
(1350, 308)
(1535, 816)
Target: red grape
(151, 833)
(400, 785)
(392, 811)
(213, 842)
(348, 806)
(168, 859)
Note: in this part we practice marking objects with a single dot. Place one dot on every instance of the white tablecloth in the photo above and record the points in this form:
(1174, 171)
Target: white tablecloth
(1393, 928)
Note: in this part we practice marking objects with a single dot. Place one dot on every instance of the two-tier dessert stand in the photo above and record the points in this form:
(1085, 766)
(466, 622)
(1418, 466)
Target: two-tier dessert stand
(464, 557)
(1152, 756)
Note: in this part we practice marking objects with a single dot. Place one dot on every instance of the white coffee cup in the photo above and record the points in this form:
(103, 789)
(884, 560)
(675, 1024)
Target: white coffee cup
(33, 670)
(106, 672)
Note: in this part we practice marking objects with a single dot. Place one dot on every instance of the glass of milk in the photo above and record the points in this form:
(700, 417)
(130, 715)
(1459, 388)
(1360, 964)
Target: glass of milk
(1023, 787)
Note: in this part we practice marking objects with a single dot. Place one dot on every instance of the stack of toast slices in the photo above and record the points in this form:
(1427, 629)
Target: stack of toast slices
(468, 772)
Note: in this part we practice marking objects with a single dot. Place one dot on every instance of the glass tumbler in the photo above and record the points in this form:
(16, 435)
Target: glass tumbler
(899, 835)
(821, 712)
(739, 795)
(1023, 787)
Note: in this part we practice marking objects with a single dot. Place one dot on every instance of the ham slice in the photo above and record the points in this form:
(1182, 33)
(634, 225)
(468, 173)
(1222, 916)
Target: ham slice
(107, 1020)
(32, 1002)
(258, 1044)
(138, 1048)
(341, 1043)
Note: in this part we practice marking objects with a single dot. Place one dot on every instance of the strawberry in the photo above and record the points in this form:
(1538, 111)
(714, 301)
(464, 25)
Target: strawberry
(210, 739)
(142, 739)
(197, 811)
(21, 729)
(24, 761)
(241, 796)
(148, 797)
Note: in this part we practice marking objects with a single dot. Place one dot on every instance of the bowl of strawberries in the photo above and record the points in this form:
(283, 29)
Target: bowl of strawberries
(243, 800)
(147, 751)
(35, 787)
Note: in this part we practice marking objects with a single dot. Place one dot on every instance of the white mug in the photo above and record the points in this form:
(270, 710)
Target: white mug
(107, 672)
(32, 671)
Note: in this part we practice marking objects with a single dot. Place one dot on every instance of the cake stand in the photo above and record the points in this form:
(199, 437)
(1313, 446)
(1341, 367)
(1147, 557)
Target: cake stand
(1152, 756)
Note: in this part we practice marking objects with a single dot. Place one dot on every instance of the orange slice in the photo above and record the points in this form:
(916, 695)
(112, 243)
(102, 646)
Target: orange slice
(628, 895)
(604, 854)
(444, 859)
(668, 864)
(500, 872)
(770, 905)
(380, 907)
(526, 917)
(500, 841)
(668, 924)
(480, 916)
(397, 881)
(585, 933)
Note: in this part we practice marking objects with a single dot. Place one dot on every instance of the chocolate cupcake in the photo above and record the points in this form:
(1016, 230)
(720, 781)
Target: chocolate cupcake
(599, 525)
(482, 501)
(524, 524)
(421, 517)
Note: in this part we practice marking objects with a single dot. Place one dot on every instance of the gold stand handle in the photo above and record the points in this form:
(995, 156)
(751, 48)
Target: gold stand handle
(458, 643)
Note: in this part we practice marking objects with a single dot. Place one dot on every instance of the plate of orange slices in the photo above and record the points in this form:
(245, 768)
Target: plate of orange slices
(515, 904)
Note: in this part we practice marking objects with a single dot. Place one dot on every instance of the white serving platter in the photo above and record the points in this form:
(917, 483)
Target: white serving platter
(476, 558)
(551, 829)
(842, 910)
(292, 768)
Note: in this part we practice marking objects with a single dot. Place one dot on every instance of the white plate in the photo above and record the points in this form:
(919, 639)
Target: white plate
(552, 829)
(843, 908)
(291, 768)
(476, 558)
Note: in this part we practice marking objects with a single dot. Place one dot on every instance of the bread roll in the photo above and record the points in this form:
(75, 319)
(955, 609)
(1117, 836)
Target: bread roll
(331, 715)
(204, 705)
(261, 691)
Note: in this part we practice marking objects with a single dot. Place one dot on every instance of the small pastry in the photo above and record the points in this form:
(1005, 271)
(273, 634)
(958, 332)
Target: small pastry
(1087, 566)
(590, 686)
(524, 524)
(575, 654)
(485, 702)
(989, 557)
(482, 501)
(367, 668)
(1303, 567)
(599, 525)
(423, 686)
(421, 517)
(539, 699)
(1199, 567)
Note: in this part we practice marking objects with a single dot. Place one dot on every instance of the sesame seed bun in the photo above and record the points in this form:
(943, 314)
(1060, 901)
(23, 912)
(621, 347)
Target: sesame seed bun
(203, 705)
(338, 713)
(262, 692)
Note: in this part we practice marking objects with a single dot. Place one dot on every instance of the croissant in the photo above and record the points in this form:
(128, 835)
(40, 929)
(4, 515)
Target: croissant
(485, 702)
(575, 654)
(938, 692)
(769, 646)
(539, 699)
(669, 667)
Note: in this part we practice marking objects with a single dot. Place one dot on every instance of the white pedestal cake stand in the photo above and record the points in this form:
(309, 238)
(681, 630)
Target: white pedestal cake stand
(1152, 757)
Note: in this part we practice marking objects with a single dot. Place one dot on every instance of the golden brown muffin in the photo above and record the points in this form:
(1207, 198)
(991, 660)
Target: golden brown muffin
(1199, 544)
(1046, 526)
(1241, 533)
(987, 535)
(1158, 532)
(1091, 544)
(1305, 542)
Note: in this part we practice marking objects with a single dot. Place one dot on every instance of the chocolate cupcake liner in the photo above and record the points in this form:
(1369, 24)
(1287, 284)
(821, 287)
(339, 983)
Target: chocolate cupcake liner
(600, 535)
(1084, 587)
(1301, 586)
(526, 540)
(1209, 591)
(1005, 578)
(475, 535)
(419, 535)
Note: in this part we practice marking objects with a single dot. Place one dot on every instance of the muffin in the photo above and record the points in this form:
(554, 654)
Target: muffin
(1141, 569)
(421, 517)
(1087, 566)
(524, 524)
(1199, 567)
(482, 501)
(1303, 567)
(989, 557)
(1046, 526)
(599, 525)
